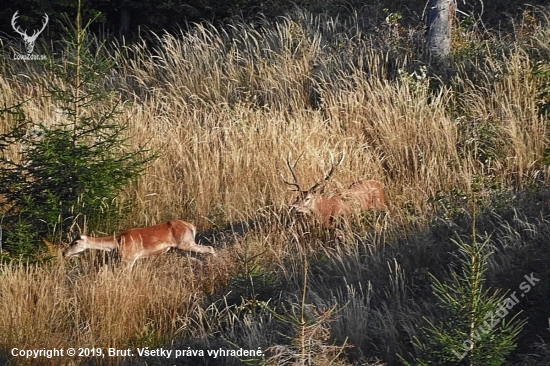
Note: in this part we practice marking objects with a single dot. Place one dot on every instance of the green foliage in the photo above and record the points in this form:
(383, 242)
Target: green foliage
(20, 240)
(65, 169)
(417, 81)
(452, 203)
(474, 331)
(151, 337)
(481, 139)
(252, 282)
(541, 71)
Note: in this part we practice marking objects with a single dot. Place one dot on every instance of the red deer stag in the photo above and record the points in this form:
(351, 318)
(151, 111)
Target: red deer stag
(133, 244)
(361, 195)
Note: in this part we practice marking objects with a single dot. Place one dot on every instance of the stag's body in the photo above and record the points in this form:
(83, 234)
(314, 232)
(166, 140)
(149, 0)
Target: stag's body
(361, 195)
(143, 242)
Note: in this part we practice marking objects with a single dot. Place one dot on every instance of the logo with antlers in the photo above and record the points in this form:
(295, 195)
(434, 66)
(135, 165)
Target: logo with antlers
(28, 40)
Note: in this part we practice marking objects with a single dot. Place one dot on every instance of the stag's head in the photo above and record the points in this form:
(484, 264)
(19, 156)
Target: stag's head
(307, 201)
(28, 40)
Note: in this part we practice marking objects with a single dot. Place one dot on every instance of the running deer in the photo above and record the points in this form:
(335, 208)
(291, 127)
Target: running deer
(133, 244)
(362, 195)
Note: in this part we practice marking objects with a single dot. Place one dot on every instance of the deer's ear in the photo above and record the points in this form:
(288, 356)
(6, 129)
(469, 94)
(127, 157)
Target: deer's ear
(320, 190)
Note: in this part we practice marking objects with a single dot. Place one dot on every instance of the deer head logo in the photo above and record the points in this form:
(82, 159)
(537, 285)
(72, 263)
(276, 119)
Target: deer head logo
(29, 40)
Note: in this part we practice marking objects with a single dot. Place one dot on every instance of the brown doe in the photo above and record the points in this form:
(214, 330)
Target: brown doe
(133, 244)
(362, 195)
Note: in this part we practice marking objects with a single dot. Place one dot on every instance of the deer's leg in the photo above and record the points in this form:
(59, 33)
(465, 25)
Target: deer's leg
(187, 243)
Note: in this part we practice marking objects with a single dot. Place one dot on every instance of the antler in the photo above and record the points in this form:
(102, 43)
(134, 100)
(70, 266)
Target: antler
(331, 171)
(15, 26)
(291, 168)
(44, 24)
(24, 33)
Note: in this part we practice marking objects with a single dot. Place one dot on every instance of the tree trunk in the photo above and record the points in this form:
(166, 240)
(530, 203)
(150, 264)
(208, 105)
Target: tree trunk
(438, 41)
(124, 18)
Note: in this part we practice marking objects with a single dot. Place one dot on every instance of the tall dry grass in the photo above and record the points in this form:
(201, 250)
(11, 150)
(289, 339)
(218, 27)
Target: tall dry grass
(224, 108)
(83, 305)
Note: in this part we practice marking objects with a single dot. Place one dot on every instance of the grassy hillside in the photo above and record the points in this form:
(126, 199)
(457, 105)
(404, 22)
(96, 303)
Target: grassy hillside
(225, 108)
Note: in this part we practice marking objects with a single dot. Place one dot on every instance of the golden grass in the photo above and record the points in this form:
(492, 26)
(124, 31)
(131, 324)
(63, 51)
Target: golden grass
(77, 304)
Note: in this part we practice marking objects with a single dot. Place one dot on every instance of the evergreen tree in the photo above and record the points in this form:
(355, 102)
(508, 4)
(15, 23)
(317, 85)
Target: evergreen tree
(65, 170)
(477, 330)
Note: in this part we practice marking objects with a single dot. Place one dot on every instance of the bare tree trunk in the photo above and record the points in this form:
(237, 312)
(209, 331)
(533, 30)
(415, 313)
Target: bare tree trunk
(438, 41)
(124, 18)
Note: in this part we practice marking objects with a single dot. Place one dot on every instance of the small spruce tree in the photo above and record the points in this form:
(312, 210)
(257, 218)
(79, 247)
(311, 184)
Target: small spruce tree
(66, 170)
(476, 330)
